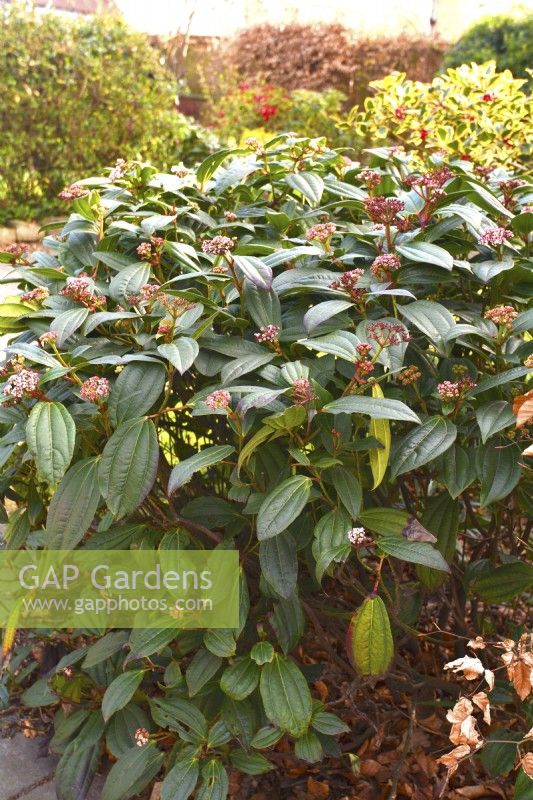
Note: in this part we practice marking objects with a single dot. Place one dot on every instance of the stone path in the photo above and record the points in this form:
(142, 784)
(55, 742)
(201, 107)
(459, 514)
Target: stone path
(26, 775)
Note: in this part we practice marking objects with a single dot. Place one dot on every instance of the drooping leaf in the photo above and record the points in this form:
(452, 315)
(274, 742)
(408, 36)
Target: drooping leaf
(73, 506)
(51, 435)
(132, 772)
(120, 692)
(500, 471)
(457, 470)
(181, 353)
(282, 506)
(380, 430)
(426, 253)
(240, 679)
(415, 552)
(348, 488)
(370, 644)
(128, 466)
(504, 583)
(494, 417)
(279, 562)
(135, 391)
(67, 323)
(286, 697)
(425, 443)
(309, 184)
(180, 781)
(374, 407)
(255, 270)
(183, 472)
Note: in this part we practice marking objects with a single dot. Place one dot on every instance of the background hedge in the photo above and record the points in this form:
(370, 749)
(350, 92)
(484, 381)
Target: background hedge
(78, 94)
(505, 40)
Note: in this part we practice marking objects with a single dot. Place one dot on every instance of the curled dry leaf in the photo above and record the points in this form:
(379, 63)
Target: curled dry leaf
(523, 408)
(451, 760)
(489, 677)
(477, 643)
(482, 701)
(527, 764)
(518, 659)
(464, 729)
(471, 667)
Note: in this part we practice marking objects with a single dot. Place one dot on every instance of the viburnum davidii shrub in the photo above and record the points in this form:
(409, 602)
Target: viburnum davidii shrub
(472, 112)
(316, 364)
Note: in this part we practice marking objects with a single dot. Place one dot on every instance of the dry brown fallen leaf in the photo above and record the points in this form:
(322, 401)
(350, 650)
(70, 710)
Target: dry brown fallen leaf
(523, 408)
(318, 790)
(527, 764)
(156, 791)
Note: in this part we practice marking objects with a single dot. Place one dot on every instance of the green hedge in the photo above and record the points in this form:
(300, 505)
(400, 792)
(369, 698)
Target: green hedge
(503, 39)
(77, 95)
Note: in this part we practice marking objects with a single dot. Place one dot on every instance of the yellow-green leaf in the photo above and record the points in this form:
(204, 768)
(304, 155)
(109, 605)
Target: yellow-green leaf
(380, 430)
(370, 644)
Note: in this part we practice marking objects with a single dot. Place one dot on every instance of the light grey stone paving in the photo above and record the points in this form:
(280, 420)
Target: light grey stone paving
(24, 775)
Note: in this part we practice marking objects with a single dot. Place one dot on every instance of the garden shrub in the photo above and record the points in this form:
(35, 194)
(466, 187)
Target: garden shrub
(503, 39)
(79, 93)
(334, 363)
(474, 112)
(329, 56)
(263, 109)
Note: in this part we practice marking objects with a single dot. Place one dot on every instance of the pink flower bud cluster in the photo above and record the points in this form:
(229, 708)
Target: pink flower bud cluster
(449, 390)
(253, 144)
(144, 251)
(409, 375)
(363, 365)
(321, 232)
(302, 391)
(370, 178)
(230, 216)
(118, 170)
(383, 265)
(501, 315)
(348, 283)
(218, 400)
(15, 249)
(432, 181)
(383, 209)
(176, 305)
(180, 170)
(387, 334)
(268, 333)
(23, 383)
(142, 737)
(48, 338)
(149, 291)
(35, 295)
(72, 192)
(95, 389)
(218, 246)
(494, 237)
(165, 327)
(356, 536)
(81, 290)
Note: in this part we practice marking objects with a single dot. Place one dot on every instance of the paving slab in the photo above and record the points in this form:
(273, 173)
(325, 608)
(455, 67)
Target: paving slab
(21, 767)
(27, 775)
